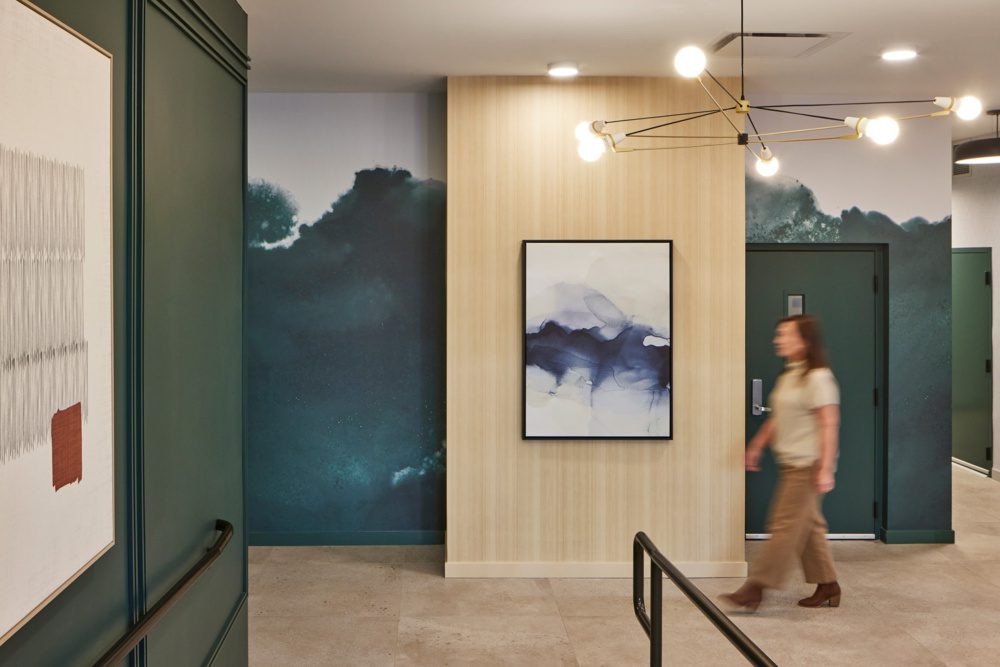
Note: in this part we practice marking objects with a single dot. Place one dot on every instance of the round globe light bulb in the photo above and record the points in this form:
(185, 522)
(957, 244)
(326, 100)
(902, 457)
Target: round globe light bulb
(767, 164)
(690, 61)
(882, 131)
(969, 108)
(584, 131)
(591, 149)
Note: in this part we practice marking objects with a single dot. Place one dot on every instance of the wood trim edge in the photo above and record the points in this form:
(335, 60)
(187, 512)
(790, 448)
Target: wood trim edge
(571, 570)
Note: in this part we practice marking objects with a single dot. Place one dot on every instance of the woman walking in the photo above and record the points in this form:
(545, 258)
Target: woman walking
(802, 432)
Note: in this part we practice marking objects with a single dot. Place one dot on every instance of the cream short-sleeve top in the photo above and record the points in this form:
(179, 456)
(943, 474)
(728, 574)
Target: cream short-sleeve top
(794, 401)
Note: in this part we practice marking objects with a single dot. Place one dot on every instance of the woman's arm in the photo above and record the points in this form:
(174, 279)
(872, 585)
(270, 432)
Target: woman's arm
(829, 428)
(760, 440)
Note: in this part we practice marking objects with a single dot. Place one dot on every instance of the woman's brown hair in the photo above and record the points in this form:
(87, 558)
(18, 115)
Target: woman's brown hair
(808, 328)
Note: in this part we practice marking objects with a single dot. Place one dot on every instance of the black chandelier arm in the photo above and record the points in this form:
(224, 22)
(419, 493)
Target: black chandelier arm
(798, 113)
(664, 115)
(845, 104)
(743, 83)
(719, 84)
(673, 122)
(721, 110)
(755, 130)
(682, 136)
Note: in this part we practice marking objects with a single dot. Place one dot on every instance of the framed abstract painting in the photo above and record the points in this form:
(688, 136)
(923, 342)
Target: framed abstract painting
(57, 481)
(598, 324)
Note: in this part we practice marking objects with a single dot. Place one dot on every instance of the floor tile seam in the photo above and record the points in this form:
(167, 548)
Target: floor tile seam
(562, 622)
(983, 579)
(940, 658)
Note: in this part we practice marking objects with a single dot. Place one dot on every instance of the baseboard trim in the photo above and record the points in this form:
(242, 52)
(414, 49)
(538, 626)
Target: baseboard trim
(918, 536)
(996, 474)
(344, 538)
(602, 570)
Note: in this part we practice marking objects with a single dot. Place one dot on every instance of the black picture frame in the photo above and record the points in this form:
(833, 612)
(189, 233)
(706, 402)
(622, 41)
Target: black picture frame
(524, 339)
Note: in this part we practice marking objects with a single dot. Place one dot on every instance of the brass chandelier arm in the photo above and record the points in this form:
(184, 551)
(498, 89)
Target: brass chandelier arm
(804, 139)
(845, 104)
(721, 110)
(671, 148)
(719, 84)
(800, 131)
(664, 115)
(933, 114)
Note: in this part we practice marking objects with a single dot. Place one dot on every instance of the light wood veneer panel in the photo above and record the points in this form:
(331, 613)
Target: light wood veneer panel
(513, 174)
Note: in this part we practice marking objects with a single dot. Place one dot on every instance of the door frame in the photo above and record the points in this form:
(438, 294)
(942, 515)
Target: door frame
(993, 459)
(881, 287)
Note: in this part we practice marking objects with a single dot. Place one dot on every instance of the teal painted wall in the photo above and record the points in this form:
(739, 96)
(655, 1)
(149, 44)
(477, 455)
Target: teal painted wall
(855, 192)
(179, 94)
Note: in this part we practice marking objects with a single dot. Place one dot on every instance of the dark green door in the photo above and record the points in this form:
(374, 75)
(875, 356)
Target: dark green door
(839, 285)
(972, 344)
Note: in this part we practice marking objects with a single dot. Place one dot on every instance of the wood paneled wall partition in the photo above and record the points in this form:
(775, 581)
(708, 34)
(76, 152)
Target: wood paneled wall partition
(571, 508)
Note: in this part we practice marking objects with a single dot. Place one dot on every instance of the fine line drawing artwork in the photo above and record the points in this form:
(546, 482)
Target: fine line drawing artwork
(597, 354)
(57, 425)
(43, 349)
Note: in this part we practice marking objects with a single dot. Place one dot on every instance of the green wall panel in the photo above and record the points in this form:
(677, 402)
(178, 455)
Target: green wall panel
(192, 323)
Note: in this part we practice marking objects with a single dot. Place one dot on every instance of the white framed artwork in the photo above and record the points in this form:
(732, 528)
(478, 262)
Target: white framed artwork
(57, 514)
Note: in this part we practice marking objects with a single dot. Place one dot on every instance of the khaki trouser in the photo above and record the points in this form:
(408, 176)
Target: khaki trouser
(798, 530)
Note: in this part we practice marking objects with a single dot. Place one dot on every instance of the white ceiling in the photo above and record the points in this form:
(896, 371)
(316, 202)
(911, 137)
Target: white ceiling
(411, 45)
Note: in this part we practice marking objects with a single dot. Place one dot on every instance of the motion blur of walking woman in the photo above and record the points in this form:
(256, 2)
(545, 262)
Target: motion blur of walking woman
(802, 431)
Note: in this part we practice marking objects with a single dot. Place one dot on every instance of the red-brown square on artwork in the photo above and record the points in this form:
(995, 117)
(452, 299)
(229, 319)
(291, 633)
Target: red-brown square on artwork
(67, 446)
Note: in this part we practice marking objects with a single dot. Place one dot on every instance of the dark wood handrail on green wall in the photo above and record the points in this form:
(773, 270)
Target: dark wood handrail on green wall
(137, 632)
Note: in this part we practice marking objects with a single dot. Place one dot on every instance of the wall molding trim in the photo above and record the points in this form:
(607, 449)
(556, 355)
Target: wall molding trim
(995, 474)
(567, 570)
(215, 43)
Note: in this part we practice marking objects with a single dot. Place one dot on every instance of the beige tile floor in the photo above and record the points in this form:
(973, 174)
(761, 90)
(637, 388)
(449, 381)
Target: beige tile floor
(908, 605)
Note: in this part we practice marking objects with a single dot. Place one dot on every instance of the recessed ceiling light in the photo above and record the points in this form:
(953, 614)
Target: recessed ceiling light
(563, 70)
(897, 55)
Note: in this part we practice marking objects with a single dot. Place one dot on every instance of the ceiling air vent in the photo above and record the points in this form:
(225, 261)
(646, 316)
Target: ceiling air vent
(960, 169)
(775, 44)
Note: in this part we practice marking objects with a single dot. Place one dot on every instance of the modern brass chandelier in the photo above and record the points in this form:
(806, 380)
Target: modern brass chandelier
(597, 137)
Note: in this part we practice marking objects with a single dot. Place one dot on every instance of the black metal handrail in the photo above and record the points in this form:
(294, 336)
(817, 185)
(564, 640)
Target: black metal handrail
(658, 564)
(137, 632)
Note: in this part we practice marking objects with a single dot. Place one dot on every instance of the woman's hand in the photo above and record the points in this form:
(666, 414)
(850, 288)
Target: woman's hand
(752, 457)
(824, 480)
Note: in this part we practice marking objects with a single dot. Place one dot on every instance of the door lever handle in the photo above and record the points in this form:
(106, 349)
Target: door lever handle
(757, 398)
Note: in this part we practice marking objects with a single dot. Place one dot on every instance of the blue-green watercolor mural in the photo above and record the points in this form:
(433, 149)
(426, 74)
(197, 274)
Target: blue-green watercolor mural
(345, 341)
(919, 424)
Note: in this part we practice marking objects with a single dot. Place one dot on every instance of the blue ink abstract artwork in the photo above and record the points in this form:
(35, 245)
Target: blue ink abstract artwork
(597, 340)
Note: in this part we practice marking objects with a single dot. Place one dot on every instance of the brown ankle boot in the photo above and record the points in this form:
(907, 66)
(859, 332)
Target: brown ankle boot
(824, 593)
(747, 598)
